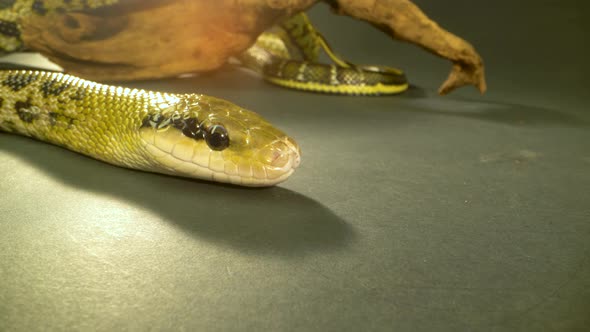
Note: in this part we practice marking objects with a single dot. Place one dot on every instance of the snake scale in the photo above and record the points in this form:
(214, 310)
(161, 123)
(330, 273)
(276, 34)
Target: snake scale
(188, 135)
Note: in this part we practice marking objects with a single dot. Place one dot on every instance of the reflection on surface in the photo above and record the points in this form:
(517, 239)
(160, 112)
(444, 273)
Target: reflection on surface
(260, 221)
(507, 113)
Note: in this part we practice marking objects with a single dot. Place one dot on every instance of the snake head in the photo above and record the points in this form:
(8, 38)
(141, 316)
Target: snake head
(212, 139)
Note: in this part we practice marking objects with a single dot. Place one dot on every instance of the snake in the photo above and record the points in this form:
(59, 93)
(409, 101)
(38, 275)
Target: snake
(188, 135)
(290, 56)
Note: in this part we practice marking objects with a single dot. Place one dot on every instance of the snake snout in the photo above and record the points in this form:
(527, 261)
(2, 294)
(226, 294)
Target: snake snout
(279, 159)
(283, 154)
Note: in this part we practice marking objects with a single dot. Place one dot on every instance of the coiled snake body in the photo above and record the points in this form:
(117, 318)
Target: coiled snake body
(186, 135)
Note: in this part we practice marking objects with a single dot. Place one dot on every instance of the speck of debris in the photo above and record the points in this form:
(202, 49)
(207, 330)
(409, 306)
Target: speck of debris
(520, 156)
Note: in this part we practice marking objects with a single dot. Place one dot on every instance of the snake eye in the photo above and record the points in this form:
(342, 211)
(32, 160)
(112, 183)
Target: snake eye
(217, 138)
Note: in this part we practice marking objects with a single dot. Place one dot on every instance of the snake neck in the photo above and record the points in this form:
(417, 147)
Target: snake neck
(96, 120)
(12, 13)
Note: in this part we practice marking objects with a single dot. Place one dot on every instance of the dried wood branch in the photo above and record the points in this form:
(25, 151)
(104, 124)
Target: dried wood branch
(403, 20)
(152, 39)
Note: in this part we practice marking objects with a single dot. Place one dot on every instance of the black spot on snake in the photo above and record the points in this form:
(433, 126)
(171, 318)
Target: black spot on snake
(53, 87)
(178, 122)
(153, 120)
(347, 77)
(53, 118)
(19, 80)
(192, 129)
(61, 120)
(39, 8)
(9, 29)
(145, 123)
(23, 109)
(1, 101)
(79, 94)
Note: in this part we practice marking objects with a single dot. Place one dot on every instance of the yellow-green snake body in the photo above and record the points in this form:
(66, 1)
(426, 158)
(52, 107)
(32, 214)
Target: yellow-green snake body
(186, 135)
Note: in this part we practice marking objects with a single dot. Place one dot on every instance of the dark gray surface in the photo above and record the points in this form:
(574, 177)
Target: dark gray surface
(411, 213)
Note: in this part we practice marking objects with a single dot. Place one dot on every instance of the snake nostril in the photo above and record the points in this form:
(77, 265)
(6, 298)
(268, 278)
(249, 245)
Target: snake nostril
(276, 155)
(279, 159)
